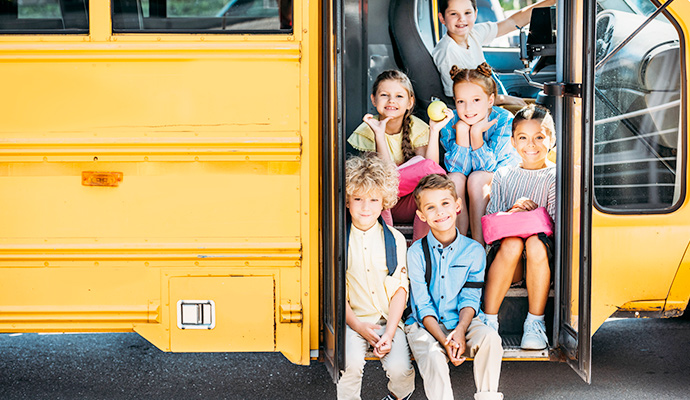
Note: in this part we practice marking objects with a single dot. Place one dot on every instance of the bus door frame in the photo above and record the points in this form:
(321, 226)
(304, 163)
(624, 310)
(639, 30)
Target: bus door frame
(574, 117)
(332, 304)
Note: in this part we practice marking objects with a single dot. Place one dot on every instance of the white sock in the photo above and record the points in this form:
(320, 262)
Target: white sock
(491, 317)
(531, 317)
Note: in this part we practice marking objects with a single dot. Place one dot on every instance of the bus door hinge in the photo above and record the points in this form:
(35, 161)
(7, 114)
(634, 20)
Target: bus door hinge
(290, 312)
(562, 89)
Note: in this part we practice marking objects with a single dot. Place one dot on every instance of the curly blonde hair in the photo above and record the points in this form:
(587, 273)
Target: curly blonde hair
(368, 173)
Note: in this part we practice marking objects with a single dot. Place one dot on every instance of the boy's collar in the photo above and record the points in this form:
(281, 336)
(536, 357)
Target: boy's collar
(373, 228)
(436, 244)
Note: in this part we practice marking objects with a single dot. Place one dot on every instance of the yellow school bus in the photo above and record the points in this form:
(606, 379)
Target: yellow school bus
(175, 168)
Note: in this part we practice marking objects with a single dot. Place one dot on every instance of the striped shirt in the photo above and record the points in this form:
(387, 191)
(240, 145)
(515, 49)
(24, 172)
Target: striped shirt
(496, 152)
(510, 184)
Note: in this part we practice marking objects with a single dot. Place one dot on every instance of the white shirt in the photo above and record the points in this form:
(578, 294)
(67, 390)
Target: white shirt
(448, 53)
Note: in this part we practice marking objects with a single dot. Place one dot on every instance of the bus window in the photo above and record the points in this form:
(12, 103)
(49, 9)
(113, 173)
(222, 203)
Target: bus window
(637, 136)
(207, 16)
(44, 17)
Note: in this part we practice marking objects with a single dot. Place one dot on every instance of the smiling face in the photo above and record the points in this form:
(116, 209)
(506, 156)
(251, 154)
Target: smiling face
(439, 209)
(364, 209)
(459, 19)
(532, 142)
(392, 99)
(471, 102)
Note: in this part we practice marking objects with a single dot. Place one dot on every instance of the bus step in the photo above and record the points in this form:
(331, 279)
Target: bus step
(512, 350)
(522, 292)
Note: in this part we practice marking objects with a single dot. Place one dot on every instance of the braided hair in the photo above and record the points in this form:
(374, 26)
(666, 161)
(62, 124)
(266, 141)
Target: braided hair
(400, 77)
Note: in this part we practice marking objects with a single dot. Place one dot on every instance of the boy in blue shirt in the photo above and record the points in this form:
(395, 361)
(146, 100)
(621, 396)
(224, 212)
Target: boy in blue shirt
(444, 325)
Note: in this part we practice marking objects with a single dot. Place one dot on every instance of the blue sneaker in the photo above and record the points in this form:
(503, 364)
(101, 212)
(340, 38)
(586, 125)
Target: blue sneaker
(534, 336)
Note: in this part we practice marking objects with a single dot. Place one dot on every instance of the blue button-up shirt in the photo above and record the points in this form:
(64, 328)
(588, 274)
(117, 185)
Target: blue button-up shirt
(496, 152)
(462, 261)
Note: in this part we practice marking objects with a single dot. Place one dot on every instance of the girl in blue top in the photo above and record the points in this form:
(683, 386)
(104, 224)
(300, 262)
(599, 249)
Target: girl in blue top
(477, 142)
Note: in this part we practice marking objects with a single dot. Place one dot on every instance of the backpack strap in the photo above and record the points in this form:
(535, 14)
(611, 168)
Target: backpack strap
(427, 261)
(391, 248)
(388, 241)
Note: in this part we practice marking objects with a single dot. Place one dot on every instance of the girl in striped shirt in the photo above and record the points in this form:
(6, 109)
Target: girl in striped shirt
(525, 187)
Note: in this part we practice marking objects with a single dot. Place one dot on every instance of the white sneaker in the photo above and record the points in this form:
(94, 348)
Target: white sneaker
(534, 336)
(491, 324)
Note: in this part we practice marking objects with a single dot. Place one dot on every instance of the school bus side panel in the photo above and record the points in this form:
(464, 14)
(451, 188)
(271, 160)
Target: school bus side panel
(210, 136)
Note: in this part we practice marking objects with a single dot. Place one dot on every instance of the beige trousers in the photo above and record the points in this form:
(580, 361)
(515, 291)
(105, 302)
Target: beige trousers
(396, 363)
(483, 345)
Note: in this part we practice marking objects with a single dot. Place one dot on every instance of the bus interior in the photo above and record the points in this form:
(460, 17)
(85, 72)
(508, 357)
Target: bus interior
(638, 119)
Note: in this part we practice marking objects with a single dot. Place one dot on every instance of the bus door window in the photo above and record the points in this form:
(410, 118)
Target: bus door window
(637, 135)
(44, 16)
(208, 16)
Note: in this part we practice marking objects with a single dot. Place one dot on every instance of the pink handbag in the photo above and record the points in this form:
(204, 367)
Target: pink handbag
(518, 224)
(411, 175)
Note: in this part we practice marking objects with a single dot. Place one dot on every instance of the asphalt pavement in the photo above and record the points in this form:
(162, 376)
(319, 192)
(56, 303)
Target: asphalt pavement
(632, 359)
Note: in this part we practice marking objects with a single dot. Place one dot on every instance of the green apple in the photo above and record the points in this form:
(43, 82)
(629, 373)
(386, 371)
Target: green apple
(436, 110)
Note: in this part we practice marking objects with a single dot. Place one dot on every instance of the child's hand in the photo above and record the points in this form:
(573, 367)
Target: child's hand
(368, 332)
(383, 346)
(477, 131)
(436, 126)
(379, 127)
(523, 204)
(462, 134)
(455, 346)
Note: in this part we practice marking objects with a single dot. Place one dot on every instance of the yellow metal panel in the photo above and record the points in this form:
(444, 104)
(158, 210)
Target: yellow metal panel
(172, 200)
(217, 138)
(188, 87)
(678, 296)
(244, 313)
(77, 299)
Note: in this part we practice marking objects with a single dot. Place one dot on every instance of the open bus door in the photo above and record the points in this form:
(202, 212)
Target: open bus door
(573, 111)
(332, 348)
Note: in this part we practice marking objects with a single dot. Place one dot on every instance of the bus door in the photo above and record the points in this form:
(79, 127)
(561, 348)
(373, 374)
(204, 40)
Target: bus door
(640, 219)
(572, 112)
(332, 346)
(622, 179)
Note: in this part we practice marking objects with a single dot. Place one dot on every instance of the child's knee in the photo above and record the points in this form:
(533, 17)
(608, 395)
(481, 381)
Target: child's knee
(535, 249)
(459, 180)
(399, 371)
(512, 246)
(354, 365)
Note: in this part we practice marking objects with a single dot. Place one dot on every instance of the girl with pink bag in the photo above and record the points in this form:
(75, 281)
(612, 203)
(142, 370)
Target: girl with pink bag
(399, 137)
(522, 193)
